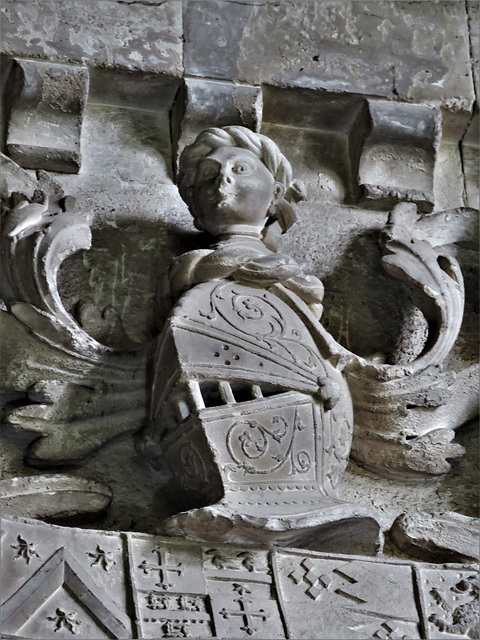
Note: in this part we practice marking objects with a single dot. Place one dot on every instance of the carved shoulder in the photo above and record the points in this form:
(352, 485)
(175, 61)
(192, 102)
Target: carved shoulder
(182, 271)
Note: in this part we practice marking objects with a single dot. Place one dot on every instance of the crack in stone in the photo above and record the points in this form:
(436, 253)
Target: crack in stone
(145, 3)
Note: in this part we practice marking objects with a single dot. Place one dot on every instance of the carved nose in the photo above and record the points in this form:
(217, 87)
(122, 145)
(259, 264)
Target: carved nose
(225, 179)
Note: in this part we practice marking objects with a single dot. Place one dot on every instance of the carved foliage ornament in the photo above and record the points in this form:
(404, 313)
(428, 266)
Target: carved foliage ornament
(239, 186)
(74, 381)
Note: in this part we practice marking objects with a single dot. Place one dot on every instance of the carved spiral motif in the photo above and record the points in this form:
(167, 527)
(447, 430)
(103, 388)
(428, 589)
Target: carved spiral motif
(260, 316)
(302, 462)
(253, 441)
(256, 448)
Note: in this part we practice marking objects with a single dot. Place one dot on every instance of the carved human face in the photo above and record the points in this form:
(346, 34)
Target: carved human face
(233, 191)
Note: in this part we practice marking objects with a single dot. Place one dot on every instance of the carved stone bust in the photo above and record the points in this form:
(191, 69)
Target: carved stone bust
(249, 410)
(281, 444)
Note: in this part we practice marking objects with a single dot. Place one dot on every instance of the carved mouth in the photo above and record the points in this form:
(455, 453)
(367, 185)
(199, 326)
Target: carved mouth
(223, 198)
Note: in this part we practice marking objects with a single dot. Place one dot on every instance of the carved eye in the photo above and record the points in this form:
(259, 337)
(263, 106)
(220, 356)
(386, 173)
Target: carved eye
(239, 167)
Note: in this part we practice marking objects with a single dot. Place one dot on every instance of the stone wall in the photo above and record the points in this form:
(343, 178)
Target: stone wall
(374, 103)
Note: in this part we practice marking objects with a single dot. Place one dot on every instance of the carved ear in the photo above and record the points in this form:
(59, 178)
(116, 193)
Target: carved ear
(278, 192)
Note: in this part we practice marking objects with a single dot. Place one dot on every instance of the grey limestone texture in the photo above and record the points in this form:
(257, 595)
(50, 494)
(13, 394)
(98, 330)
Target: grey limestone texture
(60, 582)
(108, 34)
(374, 104)
(49, 97)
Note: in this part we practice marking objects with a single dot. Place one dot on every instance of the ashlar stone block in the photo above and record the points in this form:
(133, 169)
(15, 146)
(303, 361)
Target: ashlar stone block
(213, 31)
(46, 117)
(398, 158)
(473, 13)
(416, 51)
(323, 134)
(140, 35)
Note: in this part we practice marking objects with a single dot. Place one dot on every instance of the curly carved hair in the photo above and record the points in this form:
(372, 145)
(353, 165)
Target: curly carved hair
(261, 146)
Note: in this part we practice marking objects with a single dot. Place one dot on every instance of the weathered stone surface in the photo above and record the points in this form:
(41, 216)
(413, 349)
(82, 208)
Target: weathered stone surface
(132, 89)
(418, 51)
(139, 224)
(57, 497)
(356, 599)
(398, 156)
(49, 419)
(213, 31)
(45, 121)
(209, 103)
(451, 603)
(389, 399)
(13, 178)
(473, 12)
(71, 581)
(322, 134)
(62, 580)
(357, 47)
(470, 160)
(75, 379)
(243, 399)
(448, 178)
(438, 537)
(101, 33)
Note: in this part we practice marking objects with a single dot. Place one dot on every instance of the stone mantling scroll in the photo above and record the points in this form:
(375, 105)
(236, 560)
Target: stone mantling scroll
(80, 393)
(406, 413)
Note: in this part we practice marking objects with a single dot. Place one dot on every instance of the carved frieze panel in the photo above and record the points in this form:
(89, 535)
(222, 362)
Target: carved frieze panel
(168, 589)
(451, 603)
(60, 582)
(353, 599)
(57, 581)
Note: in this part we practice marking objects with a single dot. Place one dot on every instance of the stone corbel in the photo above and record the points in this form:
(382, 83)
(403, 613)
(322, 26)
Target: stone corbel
(470, 159)
(323, 133)
(398, 157)
(213, 103)
(46, 112)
